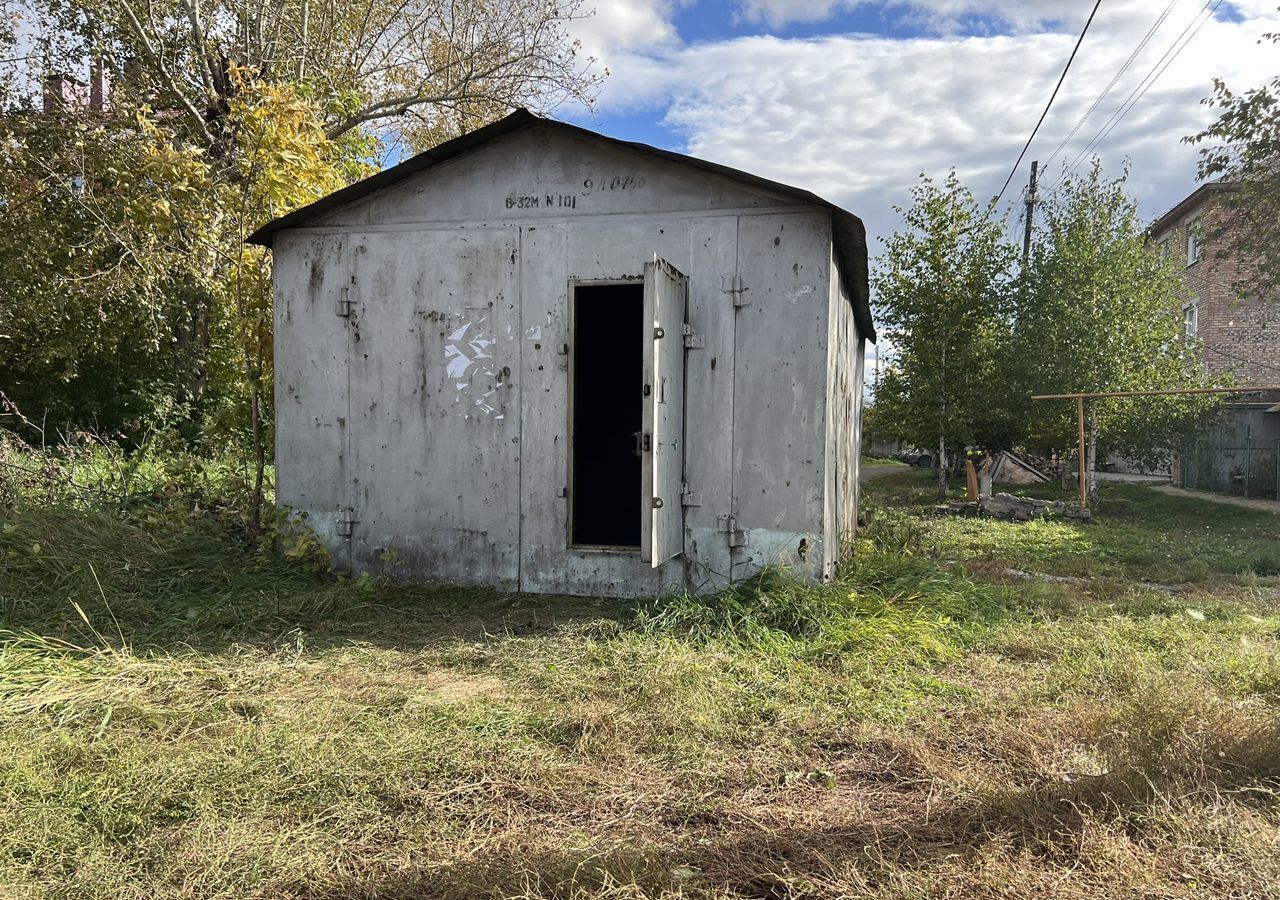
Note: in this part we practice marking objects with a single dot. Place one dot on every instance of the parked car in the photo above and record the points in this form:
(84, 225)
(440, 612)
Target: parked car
(921, 458)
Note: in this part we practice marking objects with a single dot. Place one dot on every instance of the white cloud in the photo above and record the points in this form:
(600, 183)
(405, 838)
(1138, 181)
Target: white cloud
(625, 26)
(857, 118)
(939, 15)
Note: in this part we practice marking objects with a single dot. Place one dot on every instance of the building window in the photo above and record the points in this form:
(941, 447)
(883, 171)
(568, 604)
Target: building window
(1163, 244)
(1195, 239)
(1191, 318)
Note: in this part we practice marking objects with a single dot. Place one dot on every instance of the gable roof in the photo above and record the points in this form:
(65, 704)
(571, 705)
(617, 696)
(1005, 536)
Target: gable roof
(1188, 203)
(849, 235)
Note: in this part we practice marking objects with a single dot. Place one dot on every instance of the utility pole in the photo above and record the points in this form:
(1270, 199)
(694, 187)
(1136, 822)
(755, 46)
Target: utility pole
(1031, 211)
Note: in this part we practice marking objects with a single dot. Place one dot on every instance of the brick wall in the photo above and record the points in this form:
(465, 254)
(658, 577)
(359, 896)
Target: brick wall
(1239, 335)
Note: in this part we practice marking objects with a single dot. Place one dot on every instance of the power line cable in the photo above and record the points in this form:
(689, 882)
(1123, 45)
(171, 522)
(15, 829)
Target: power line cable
(1239, 359)
(1107, 133)
(1146, 39)
(1140, 91)
(1052, 97)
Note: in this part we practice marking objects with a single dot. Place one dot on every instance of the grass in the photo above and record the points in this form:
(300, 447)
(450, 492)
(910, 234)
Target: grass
(882, 461)
(182, 717)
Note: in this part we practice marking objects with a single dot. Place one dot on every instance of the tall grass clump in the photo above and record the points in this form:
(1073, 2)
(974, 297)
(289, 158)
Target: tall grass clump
(892, 604)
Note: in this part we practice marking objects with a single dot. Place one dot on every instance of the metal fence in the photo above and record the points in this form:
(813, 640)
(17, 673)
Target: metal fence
(1243, 467)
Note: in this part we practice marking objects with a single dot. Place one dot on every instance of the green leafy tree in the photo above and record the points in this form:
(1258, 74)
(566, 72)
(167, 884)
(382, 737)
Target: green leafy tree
(120, 227)
(1099, 311)
(943, 297)
(1243, 147)
(115, 272)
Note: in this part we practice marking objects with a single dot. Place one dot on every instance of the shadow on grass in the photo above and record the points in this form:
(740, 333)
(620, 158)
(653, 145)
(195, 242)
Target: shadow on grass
(1041, 832)
(94, 577)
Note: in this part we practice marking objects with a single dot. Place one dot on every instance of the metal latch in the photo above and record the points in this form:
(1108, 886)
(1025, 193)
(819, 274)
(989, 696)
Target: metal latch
(728, 525)
(347, 520)
(693, 341)
(644, 442)
(688, 497)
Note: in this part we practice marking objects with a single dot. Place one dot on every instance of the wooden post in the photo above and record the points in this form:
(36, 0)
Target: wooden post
(1084, 497)
(971, 481)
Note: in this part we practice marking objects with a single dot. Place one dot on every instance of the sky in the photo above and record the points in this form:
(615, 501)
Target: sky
(854, 99)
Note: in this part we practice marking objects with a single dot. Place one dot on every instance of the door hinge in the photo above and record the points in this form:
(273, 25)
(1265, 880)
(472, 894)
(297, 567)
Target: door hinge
(728, 525)
(693, 341)
(347, 521)
(345, 303)
(736, 289)
(688, 497)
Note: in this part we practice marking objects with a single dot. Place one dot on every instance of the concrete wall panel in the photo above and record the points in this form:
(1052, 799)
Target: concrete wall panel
(311, 398)
(779, 405)
(844, 427)
(541, 174)
(435, 401)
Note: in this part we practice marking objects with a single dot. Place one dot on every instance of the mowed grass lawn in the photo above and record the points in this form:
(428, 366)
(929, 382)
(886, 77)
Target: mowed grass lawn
(179, 718)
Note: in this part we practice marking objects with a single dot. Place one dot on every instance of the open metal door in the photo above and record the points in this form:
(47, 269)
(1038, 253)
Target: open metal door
(662, 514)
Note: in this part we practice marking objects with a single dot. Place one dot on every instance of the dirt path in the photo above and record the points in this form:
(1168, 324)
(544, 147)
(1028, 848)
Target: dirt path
(1246, 502)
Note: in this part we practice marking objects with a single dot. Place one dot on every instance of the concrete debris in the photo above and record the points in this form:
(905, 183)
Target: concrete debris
(1019, 509)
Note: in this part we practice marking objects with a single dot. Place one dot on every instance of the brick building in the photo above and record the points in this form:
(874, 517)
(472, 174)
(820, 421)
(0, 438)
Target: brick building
(1240, 336)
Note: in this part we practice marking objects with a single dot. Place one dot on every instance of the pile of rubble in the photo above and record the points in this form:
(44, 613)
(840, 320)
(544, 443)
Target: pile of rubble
(1019, 509)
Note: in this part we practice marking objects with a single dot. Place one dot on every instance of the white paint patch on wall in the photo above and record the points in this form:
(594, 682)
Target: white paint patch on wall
(796, 293)
(465, 353)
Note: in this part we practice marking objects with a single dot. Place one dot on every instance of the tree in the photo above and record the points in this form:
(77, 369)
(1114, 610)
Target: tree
(1101, 312)
(943, 298)
(434, 67)
(1244, 148)
(102, 298)
(121, 227)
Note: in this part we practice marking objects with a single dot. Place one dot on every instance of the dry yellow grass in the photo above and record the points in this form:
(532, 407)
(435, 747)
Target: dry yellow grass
(924, 728)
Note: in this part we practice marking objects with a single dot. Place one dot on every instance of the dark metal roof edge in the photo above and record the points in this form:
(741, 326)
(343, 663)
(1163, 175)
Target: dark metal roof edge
(1183, 206)
(848, 233)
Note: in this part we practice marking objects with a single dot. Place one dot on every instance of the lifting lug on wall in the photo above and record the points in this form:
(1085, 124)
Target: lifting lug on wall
(659, 333)
(344, 303)
(693, 341)
(736, 289)
(347, 520)
(657, 503)
(728, 525)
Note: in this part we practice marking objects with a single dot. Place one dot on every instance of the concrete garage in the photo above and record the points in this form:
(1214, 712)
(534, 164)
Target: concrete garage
(541, 359)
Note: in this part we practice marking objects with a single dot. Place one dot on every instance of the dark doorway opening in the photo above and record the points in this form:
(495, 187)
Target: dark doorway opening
(607, 361)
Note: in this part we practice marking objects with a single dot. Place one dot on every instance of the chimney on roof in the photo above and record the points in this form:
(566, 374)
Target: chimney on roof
(62, 92)
(99, 85)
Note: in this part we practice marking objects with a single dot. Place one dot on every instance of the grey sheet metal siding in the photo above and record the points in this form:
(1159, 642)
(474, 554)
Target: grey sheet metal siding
(423, 425)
